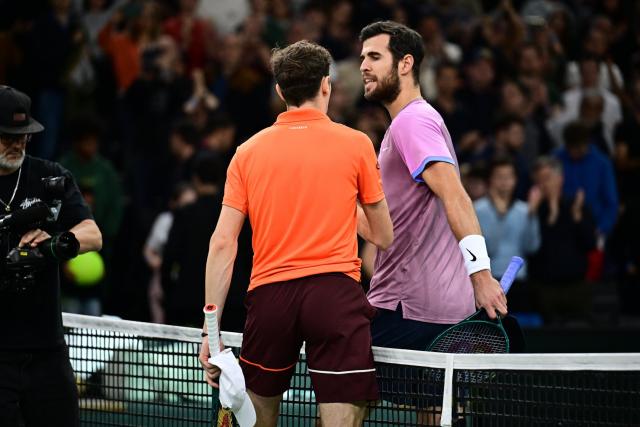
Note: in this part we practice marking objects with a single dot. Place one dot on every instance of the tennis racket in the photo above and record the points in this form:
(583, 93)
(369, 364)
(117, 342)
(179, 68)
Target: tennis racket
(224, 416)
(478, 333)
(211, 318)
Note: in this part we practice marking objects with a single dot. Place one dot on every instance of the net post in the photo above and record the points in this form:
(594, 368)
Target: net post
(447, 393)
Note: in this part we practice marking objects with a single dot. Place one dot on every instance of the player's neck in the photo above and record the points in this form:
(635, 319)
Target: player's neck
(407, 94)
(316, 104)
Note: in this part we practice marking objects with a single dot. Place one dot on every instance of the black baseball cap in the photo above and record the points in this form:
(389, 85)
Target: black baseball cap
(15, 113)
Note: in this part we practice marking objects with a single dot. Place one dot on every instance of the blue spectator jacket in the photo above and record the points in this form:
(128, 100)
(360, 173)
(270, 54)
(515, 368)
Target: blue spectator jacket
(594, 174)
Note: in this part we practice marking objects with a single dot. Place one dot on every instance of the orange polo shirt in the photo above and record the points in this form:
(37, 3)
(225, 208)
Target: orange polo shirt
(298, 182)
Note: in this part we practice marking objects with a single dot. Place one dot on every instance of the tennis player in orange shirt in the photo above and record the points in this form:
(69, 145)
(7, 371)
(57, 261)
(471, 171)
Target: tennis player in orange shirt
(299, 182)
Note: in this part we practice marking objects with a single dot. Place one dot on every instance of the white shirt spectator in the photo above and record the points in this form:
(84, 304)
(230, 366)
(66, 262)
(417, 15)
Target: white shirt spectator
(611, 115)
(573, 79)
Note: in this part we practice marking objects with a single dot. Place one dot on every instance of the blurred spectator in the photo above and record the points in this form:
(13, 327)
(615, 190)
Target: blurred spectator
(624, 240)
(588, 171)
(94, 172)
(219, 137)
(339, 38)
(610, 112)
(130, 41)
(184, 140)
(510, 226)
(479, 95)
(516, 101)
(474, 180)
(55, 40)
(437, 51)
(596, 45)
(542, 58)
(194, 36)
(373, 121)
(567, 231)
(309, 25)
(152, 103)
(185, 253)
(226, 15)
(513, 229)
(96, 15)
(244, 82)
(508, 140)
(503, 32)
(182, 195)
(201, 103)
(453, 112)
(534, 72)
(11, 56)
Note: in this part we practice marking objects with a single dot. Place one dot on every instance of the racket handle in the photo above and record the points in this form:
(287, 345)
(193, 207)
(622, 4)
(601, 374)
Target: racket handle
(211, 318)
(510, 274)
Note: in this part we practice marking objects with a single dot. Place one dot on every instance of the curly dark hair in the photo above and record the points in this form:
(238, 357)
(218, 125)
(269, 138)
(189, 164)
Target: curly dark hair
(298, 69)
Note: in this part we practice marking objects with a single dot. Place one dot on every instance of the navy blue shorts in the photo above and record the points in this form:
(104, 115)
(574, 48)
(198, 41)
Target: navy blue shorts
(406, 385)
(389, 329)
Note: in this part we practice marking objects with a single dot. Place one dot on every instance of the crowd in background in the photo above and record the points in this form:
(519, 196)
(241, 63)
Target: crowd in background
(144, 101)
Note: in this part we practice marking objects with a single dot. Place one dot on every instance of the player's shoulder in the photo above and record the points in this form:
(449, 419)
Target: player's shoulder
(417, 114)
(256, 140)
(350, 134)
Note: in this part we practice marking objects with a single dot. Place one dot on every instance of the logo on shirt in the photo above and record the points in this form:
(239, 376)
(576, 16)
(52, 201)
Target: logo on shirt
(27, 203)
(298, 127)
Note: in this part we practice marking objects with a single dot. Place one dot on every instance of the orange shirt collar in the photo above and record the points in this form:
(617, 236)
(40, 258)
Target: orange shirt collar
(301, 115)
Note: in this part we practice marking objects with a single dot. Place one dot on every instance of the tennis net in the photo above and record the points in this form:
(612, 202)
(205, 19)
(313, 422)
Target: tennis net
(139, 374)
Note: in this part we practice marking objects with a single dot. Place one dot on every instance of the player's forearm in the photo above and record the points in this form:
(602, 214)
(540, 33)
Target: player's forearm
(461, 215)
(364, 230)
(88, 235)
(222, 254)
(378, 222)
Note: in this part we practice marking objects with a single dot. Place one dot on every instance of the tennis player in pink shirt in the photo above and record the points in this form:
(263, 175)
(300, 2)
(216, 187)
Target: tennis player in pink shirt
(437, 271)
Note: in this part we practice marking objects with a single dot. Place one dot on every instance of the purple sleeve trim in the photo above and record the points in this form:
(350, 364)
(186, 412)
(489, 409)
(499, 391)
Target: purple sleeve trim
(416, 173)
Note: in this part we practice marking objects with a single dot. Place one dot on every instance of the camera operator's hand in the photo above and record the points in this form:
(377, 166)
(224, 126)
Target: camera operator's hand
(33, 238)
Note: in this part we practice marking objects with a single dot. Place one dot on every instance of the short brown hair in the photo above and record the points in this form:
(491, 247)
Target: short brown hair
(298, 69)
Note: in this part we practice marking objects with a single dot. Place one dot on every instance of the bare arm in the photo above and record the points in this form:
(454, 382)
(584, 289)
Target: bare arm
(86, 232)
(374, 224)
(443, 179)
(223, 248)
(89, 236)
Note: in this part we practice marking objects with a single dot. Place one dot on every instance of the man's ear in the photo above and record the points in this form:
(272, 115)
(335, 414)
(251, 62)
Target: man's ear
(405, 65)
(325, 85)
(279, 92)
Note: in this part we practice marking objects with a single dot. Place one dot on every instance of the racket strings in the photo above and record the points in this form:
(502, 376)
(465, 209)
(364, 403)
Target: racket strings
(472, 337)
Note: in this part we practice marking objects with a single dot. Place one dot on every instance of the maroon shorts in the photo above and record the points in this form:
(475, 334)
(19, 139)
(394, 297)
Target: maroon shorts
(331, 314)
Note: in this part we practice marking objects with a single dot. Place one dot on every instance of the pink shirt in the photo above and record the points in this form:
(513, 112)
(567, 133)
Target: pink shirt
(423, 269)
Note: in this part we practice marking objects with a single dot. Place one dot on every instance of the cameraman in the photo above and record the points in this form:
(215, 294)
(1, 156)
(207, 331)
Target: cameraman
(37, 384)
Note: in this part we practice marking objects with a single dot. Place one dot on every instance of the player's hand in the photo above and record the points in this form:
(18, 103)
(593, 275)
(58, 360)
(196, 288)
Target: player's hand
(33, 238)
(489, 294)
(211, 372)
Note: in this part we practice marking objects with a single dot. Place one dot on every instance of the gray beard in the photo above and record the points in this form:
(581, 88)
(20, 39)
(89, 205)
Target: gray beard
(11, 165)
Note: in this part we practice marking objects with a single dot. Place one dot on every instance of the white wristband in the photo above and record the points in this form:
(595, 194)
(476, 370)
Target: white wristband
(474, 252)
